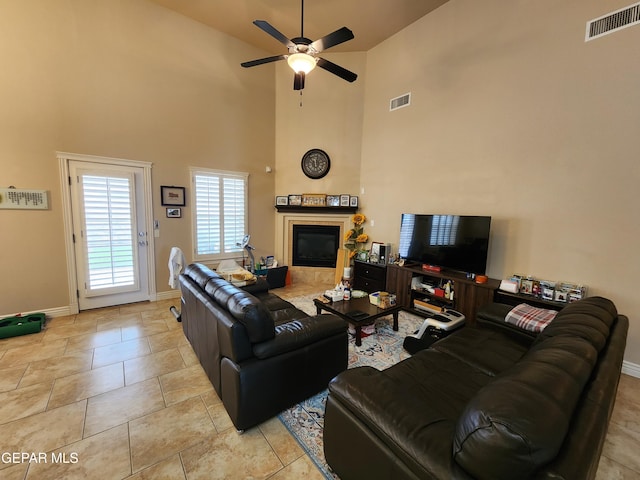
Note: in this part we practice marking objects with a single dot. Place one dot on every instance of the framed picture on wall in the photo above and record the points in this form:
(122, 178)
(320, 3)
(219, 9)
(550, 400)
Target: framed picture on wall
(344, 200)
(282, 200)
(172, 196)
(174, 212)
(353, 201)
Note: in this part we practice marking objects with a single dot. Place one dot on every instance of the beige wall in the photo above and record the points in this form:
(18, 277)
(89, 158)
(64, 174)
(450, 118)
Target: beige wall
(330, 119)
(128, 79)
(513, 115)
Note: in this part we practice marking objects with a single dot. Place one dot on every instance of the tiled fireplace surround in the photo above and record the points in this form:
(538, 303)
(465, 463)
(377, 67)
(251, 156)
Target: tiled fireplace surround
(284, 243)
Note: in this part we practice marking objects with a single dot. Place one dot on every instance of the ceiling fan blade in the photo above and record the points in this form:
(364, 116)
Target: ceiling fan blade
(337, 70)
(268, 28)
(298, 81)
(260, 61)
(339, 36)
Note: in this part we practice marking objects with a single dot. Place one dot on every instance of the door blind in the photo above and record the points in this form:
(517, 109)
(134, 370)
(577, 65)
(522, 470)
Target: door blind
(109, 231)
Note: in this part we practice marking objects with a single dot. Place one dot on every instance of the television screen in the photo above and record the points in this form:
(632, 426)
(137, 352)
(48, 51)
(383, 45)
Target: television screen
(456, 242)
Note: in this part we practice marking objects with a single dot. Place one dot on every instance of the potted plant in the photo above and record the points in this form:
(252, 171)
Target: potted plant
(355, 239)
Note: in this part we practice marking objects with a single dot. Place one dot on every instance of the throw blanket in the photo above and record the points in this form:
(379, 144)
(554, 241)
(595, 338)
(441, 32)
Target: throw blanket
(530, 318)
(176, 266)
(234, 273)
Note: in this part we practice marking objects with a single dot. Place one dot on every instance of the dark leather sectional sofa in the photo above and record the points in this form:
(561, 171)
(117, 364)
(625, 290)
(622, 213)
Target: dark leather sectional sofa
(484, 403)
(261, 353)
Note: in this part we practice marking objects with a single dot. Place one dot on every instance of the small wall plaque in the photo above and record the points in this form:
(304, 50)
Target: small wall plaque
(13, 198)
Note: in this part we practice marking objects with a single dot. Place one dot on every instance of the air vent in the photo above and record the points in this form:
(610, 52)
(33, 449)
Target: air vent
(400, 102)
(613, 22)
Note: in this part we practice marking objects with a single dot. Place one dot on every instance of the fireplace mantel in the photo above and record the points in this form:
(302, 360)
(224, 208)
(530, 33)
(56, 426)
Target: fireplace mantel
(314, 210)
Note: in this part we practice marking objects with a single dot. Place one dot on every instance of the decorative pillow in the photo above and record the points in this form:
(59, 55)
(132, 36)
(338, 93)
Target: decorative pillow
(530, 318)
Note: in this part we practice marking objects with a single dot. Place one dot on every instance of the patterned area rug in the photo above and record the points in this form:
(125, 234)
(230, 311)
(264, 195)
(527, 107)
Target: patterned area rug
(382, 349)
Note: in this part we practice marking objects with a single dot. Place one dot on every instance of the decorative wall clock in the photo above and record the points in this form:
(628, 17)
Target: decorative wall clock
(315, 163)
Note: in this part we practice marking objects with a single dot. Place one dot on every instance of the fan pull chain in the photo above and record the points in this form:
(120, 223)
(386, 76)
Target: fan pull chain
(300, 98)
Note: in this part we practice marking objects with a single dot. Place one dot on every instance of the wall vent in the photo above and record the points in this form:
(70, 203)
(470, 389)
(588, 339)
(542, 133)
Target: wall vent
(612, 22)
(400, 102)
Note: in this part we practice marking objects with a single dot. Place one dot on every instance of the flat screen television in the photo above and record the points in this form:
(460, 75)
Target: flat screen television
(455, 242)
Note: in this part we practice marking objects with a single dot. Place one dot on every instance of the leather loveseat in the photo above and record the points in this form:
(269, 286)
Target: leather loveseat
(261, 353)
(484, 403)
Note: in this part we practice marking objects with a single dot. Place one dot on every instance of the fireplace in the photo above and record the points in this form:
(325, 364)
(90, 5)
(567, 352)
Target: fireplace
(285, 221)
(315, 245)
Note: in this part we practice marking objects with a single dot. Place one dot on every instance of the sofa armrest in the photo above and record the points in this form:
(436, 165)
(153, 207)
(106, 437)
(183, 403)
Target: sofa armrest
(260, 286)
(299, 333)
(492, 316)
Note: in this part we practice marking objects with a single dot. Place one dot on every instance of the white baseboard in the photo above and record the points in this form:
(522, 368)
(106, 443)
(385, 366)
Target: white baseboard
(170, 295)
(632, 369)
(49, 312)
(73, 309)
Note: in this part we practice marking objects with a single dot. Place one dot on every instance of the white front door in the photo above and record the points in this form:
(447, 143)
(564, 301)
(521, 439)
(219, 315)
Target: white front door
(109, 234)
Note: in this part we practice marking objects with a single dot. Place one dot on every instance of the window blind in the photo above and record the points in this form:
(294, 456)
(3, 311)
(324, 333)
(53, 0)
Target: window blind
(220, 211)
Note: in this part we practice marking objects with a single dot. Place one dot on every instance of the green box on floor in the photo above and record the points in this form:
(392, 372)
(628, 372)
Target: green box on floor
(14, 326)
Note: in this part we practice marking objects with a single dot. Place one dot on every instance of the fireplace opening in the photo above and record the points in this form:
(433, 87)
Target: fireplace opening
(315, 245)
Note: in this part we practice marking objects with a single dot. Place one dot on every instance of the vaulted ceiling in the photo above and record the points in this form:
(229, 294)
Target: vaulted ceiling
(371, 21)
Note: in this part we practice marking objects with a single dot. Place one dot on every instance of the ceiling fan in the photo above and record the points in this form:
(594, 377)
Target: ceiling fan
(303, 53)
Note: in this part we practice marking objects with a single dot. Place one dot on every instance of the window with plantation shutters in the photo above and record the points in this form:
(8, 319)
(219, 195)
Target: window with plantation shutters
(220, 212)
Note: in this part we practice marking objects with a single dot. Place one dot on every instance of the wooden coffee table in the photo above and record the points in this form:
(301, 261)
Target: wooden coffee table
(359, 312)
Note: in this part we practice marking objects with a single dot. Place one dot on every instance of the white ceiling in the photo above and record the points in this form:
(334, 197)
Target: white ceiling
(371, 21)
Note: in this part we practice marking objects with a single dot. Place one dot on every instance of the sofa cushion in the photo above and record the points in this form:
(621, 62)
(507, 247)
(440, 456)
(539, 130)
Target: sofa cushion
(200, 274)
(590, 318)
(517, 423)
(274, 302)
(281, 310)
(243, 307)
(487, 351)
(295, 334)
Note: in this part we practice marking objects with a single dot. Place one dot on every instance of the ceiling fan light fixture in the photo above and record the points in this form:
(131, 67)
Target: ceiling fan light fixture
(301, 62)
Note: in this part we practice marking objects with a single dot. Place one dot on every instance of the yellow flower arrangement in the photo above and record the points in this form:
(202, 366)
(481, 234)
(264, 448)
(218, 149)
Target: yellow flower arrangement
(355, 238)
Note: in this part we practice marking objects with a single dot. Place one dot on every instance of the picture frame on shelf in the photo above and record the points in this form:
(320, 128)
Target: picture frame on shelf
(344, 200)
(314, 199)
(174, 213)
(526, 286)
(561, 296)
(172, 196)
(374, 252)
(547, 289)
(295, 200)
(333, 200)
(282, 200)
(353, 201)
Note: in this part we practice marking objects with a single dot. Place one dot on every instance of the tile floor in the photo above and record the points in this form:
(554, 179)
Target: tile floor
(118, 393)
